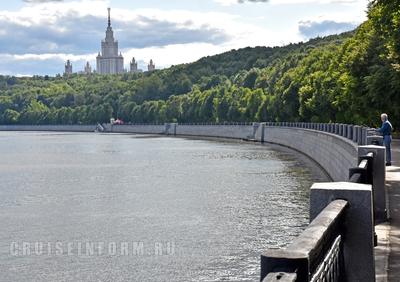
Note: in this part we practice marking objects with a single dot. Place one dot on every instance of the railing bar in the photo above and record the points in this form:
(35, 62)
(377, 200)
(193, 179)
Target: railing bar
(326, 263)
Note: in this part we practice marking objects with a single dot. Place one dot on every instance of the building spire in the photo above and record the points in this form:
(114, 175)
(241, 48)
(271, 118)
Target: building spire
(109, 17)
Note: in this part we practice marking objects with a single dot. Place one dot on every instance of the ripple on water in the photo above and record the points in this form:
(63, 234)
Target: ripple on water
(220, 203)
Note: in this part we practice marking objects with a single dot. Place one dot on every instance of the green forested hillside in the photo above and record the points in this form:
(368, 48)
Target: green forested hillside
(349, 78)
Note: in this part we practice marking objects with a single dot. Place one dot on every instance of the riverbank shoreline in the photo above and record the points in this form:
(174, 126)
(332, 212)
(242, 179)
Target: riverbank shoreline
(318, 172)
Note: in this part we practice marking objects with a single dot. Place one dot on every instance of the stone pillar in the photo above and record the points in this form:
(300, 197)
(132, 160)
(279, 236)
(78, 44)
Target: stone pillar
(355, 133)
(358, 243)
(375, 140)
(350, 132)
(379, 180)
(170, 128)
(344, 130)
(261, 130)
(166, 128)
(359, 135)
(364, 133)
(255, 126)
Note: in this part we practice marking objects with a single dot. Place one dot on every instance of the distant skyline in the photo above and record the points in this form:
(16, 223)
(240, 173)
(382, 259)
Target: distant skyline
(38, 36)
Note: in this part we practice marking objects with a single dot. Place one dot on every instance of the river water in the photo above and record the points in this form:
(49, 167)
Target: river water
(114, 207)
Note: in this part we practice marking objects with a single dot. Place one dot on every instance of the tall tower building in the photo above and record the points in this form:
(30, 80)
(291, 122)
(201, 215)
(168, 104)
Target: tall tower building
(134, 66)
(88, 68)
(151, 66)
(109, 61)
(68, 68)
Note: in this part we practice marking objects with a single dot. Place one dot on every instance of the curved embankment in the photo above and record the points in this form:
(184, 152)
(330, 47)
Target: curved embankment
(333, 152)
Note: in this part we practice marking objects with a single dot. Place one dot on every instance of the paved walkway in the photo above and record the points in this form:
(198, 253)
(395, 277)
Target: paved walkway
(393, 186)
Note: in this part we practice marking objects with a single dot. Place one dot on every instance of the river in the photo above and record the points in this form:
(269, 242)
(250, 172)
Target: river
(115, 207)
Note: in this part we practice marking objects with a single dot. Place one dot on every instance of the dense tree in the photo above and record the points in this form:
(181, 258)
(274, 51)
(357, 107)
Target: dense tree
(347, 78)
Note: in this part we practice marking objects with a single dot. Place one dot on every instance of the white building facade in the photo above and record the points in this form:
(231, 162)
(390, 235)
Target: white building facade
(88, 68)
(151, 66)
(134, 66)
(109, 61)
(68, 68)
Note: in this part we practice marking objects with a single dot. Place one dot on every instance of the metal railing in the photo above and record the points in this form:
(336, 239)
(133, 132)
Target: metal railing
(315, 254)
(331, 267)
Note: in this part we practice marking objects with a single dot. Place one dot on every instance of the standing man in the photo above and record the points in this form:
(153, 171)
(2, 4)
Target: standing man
(386, 131)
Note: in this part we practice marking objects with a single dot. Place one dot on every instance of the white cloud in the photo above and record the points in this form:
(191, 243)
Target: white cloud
(226, 2)
(41, 1)
(42, 21)
(44, 57)
(179, 52)
(286, 2)
(57, 31)
(311, 29)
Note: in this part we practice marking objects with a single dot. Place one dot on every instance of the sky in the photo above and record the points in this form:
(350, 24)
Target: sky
(38, 36)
